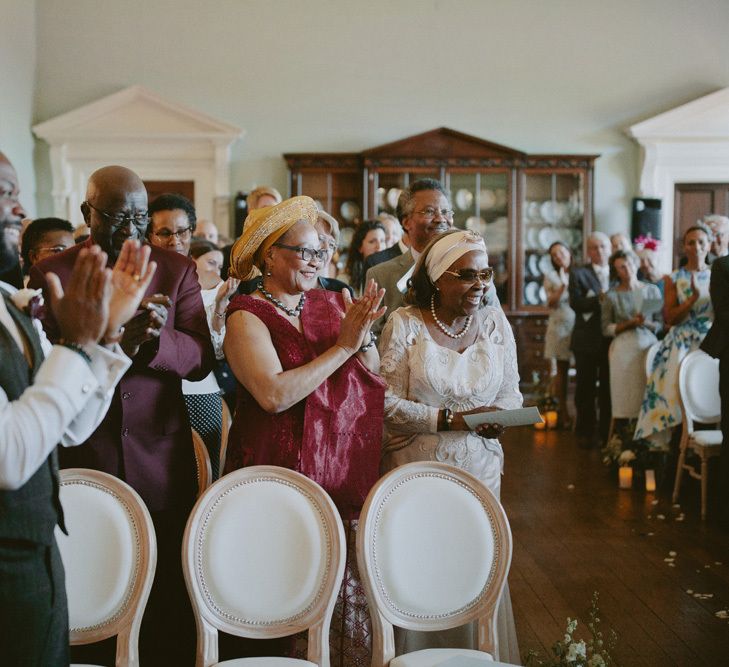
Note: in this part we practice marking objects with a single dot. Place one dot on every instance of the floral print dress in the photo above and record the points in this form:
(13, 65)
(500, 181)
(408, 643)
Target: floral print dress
(660, 410)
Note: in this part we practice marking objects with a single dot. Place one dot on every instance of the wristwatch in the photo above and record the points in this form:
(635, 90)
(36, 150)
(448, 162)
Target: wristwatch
(448, 418)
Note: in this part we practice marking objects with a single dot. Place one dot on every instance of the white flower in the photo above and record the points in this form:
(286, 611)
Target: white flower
(596, 661)
(23, 296)
(626, 457)
(576, 650)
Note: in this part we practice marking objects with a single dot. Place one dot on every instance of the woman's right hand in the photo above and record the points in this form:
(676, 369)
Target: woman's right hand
(459, 423)
(359, 316)
(694, 297)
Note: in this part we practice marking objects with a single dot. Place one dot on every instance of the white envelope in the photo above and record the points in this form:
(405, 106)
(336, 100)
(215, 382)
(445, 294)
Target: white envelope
(518, 417)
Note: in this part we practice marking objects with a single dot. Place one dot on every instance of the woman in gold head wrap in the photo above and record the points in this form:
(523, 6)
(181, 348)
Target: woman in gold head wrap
(308, 391)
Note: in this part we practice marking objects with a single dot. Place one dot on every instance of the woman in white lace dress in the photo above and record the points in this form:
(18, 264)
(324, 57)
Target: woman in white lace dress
(445, 356)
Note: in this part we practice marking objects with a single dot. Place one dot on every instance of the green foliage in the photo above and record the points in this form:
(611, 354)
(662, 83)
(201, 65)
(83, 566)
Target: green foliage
(572, 652)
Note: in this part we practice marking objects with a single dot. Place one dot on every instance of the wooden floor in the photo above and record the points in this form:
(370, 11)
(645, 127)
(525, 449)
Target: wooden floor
(575, 532)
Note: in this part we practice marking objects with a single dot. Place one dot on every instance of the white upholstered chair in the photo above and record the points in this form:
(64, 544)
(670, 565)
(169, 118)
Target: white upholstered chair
(433, 550)
(263, 556)
(109, 555)
(203, 466)
(227, 422)
(698, 390)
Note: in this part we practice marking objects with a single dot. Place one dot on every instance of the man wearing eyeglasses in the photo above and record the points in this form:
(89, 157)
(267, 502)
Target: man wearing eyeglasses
(145, 438)
(424, 210)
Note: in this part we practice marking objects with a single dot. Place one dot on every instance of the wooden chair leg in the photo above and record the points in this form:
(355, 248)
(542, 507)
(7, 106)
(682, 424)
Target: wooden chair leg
(704, 485)
(679, 468)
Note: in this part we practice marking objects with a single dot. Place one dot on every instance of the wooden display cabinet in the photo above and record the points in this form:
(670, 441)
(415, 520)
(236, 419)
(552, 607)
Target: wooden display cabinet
(520, 203)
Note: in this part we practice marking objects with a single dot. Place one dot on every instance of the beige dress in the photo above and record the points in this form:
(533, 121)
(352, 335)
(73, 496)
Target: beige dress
(424, 377)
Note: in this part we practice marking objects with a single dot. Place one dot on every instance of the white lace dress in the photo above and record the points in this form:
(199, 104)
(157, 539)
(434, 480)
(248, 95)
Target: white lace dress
(422, 378)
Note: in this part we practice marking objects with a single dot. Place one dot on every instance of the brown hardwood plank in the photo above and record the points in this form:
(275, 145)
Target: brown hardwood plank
(570, 542)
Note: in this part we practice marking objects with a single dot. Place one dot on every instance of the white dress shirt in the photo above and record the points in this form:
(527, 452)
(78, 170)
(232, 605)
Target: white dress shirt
(603, 275)
(66, 402)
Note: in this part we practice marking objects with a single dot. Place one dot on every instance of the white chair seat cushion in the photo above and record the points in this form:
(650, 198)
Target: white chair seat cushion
(707, 438)
(448, 657)
(265, 662)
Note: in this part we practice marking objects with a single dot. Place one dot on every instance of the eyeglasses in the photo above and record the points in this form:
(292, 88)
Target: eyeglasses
(471, 276)
(139, 220)
(51, 250)
(180, 234)
(429, 213)
(307, 254)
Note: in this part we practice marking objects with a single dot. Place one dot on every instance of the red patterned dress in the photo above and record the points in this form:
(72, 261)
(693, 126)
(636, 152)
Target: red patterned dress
(333, 436)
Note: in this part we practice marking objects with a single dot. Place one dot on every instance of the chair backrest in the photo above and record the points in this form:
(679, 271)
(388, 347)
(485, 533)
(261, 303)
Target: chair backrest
(433, 550)
(227, 421)
(650, 356)
(698, 388)
(110, 555)
(263, 556)
(203, 466)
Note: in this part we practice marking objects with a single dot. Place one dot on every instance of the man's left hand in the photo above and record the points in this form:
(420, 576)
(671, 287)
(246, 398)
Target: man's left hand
(147, 325)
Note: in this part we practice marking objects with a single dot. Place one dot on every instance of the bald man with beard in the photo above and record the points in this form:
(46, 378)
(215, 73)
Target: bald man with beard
(11, 216)
(145, 438)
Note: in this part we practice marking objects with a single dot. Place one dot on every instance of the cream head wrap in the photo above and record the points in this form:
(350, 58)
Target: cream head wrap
(447, 250)
(262, 228)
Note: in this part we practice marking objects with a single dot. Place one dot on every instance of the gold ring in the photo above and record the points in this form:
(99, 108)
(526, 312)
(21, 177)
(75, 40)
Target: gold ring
(137, 277)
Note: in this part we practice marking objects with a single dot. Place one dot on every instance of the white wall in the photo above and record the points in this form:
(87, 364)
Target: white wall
(326, 75)
(17, 78)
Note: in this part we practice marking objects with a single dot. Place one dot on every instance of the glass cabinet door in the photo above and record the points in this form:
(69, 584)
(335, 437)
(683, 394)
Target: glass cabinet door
(480, 203)
(389, 185)
(552, 211)
(337, 193)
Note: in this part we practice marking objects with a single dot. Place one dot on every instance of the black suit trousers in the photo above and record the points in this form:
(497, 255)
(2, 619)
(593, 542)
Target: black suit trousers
(592, 365)
(33, 607)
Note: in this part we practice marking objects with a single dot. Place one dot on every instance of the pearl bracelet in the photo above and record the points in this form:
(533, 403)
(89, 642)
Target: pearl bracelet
(373, 340)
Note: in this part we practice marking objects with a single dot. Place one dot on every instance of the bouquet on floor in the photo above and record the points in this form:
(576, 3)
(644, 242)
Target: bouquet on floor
(572, 652)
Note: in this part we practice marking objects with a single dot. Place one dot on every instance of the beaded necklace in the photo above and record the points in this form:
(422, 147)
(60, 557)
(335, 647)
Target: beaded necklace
(444, 328)
(291, 312)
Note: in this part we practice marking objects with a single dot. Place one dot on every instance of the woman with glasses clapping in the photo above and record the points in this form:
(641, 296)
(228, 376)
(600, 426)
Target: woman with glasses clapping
(445, 356)
(309, 397)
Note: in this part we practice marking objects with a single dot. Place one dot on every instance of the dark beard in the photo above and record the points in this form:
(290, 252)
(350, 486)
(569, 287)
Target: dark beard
(8, 254)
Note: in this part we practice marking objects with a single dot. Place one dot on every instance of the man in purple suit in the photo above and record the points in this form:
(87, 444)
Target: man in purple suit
(145, 438)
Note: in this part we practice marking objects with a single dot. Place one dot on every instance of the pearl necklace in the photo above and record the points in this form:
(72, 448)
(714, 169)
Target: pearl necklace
(291, 312)
(444, 328)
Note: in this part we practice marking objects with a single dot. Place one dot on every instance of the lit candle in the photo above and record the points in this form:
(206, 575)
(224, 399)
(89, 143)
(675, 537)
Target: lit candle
(625, 477)
(551, 418)
(540, 426)
(650, 480)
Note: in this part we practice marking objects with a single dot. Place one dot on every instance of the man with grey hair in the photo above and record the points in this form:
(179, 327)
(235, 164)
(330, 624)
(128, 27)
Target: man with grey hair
(424, 210)
(587, 286)
(719, 225)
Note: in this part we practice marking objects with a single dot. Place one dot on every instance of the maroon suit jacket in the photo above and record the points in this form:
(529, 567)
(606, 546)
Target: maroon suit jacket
(145, 437)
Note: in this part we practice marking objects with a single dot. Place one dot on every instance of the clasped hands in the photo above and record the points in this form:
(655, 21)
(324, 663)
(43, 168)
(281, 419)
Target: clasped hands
(359, 316)
(97, 301)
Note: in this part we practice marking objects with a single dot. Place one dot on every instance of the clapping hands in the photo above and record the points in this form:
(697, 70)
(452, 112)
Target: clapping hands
(130, 279)
(97, 301)
(359, 316)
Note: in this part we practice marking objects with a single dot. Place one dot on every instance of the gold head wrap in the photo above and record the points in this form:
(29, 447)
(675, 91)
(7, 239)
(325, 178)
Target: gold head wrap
(262, 228)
